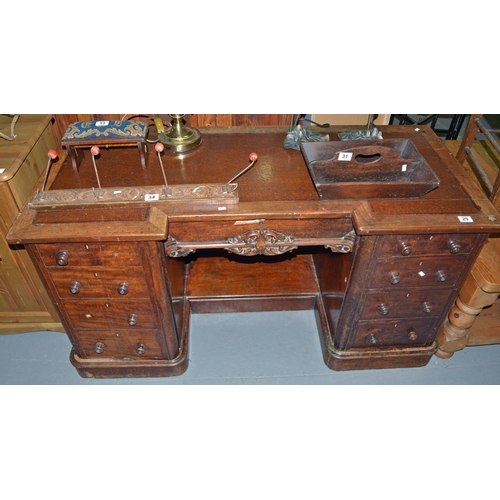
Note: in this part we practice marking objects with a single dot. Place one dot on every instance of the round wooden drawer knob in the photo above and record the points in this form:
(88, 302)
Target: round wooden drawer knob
(75, 287)
(394, 278)
(426, 307)
(383, 309)
(453, 246)
(405, 249)
(62, 258)
(99, 347)
(412, 335)
(441, 275)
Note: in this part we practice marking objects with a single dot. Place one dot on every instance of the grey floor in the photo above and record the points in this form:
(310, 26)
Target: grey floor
(270, 348)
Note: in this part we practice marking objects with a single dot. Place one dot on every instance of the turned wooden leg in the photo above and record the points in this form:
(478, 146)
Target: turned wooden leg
(453, 335)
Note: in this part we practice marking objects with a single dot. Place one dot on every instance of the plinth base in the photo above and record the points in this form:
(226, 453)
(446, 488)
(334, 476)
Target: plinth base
(381, 359)
(129, 368)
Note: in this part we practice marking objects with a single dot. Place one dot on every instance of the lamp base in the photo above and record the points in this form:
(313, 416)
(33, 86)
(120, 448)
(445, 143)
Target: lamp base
(179, 138)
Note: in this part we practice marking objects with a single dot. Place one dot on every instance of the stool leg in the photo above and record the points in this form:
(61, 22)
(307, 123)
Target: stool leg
(141, 147)
(74, 156)
(453, 334)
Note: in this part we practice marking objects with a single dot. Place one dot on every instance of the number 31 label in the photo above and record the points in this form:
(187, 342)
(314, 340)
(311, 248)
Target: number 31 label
(345, 156)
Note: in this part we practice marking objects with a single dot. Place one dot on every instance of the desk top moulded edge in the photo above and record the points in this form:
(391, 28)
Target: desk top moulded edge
(149, 224)
(368, 223)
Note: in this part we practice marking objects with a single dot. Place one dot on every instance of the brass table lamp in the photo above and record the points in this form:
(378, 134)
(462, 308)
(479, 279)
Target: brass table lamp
(179, 138)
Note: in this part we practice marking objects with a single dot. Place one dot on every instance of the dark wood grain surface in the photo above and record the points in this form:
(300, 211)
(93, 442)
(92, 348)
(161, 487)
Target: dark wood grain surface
(279, 175)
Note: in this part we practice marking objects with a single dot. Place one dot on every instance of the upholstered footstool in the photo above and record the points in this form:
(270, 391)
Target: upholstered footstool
(105, 133)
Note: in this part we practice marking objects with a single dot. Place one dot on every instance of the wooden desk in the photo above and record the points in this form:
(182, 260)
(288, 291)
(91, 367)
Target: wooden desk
(380, 274)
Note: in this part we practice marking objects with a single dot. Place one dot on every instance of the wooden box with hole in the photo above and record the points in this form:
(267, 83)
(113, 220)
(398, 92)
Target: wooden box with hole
(381, 168)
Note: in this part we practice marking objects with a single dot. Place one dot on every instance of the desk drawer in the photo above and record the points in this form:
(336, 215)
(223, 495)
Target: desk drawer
(424, 272)
(120, 343)
(260, 236)
(420, 245)
(112, 282)
(403, 304)
(82, 255)
(110, 314)
(394, 333)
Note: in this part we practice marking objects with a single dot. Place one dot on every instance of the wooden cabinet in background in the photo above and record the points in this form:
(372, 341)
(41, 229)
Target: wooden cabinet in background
(24, 303)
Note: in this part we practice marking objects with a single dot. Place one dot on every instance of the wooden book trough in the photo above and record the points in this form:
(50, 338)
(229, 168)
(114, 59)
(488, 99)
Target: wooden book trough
(391, 168)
